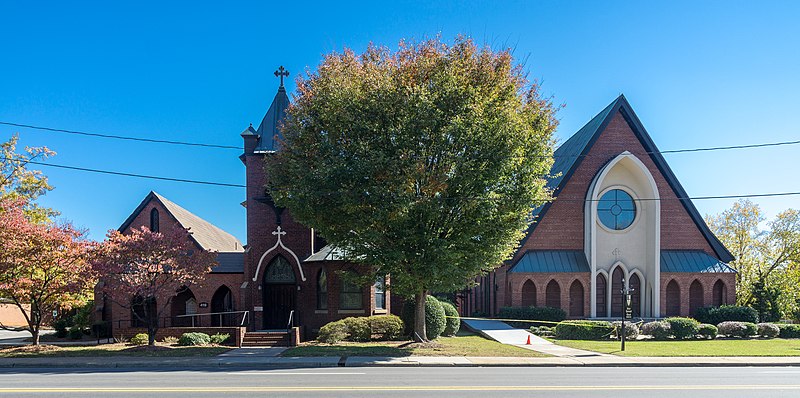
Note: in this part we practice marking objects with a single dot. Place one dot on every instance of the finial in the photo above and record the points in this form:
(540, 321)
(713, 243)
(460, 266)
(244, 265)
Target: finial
(281, 72)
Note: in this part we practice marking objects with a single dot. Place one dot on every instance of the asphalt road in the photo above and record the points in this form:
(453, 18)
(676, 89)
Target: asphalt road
(683, 382)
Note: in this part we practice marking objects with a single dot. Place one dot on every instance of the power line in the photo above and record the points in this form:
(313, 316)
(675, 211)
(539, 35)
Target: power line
(122, 137)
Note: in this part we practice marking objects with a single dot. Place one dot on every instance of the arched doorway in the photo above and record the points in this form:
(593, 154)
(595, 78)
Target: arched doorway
(695, 297)
(528, 294)
(576, 300)
(673, 299)
(222, 301)
(616, 287)
(553, 295)
(601, 288)
(279, 291)
(635, 284)
(184, 303)
(718, 294)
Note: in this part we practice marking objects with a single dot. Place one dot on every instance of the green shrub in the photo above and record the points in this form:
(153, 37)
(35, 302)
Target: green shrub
(717, 315)
(550, 315)
(659, 330)
(101, 329)
(357, 329)
(83, 316)
(683, 328)
(386, 327)
(61, 327)
(219, 338)
(75, 333)
(768, 330)
(543, 331)
(452, 320)
(435, 320)
(171, 340)
(707, 331)
(332, 332)
(139, 339)
(194, 338)
(788, 331)
(583, 330)
(737, 329)
(631, 329)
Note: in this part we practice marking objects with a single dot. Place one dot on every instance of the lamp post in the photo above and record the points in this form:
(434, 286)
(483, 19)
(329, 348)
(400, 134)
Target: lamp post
(626, 313)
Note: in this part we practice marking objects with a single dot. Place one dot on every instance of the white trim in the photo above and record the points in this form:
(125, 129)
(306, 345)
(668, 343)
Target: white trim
(636, 208)
(278, 232)
(350, 311)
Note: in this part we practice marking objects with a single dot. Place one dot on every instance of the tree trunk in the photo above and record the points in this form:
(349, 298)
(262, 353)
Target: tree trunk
(35, 337)
(420, 334)
(151, 334)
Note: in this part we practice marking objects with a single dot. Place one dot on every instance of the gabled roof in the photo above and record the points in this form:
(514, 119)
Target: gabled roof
(229, 263)
(268, 131)
(571, 153)
(207, 235)
(551, 261)
(691, 261)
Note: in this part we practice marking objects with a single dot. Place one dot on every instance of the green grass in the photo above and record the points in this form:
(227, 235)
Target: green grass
(692, 348)
(111, 350)
(464, 344)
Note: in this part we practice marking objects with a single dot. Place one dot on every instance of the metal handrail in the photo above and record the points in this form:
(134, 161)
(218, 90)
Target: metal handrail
(291, 322)
(221, 314)
(163, 320)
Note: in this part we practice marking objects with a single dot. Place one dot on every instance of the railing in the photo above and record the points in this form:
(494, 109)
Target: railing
(208, 319)
(224, 318)
(290, 324)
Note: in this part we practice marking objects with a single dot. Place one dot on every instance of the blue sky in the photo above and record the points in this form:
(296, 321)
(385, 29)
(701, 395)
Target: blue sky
(698, 74)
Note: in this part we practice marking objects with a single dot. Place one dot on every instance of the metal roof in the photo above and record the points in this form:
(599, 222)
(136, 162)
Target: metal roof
(691, 261)
(552, 261)
(268, 131)
(327, 253)
(229, 263)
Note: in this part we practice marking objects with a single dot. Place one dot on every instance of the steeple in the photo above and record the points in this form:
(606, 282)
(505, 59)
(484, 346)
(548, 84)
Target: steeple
(268, 132)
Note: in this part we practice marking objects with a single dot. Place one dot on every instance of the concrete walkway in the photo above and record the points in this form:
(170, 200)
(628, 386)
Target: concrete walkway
(503, 333)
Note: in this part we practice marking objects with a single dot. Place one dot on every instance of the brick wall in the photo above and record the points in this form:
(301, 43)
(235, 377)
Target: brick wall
(706, 280)
(541, 280)
(237, 333)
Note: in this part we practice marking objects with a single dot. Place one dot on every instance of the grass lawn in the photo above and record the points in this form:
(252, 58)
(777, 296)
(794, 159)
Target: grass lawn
(111, 350)
(463, 344)
(692, 348)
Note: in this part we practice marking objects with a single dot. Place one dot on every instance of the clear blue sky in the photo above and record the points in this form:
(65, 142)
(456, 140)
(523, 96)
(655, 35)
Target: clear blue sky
(698, 74)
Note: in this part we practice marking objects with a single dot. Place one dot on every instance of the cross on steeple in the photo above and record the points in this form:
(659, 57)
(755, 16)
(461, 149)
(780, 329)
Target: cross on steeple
(281, 72)
(279, 232)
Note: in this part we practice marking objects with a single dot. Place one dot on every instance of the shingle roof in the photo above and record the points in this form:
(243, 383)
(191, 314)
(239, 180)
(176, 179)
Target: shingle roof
(268, 131)
(229, 263)
(207, 235)
(691, 261)
(551, 261)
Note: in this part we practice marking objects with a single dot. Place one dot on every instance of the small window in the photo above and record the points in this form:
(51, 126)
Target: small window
(322, 290)
(380, 293)
(350, 298)
(616, 210)
(154, 220)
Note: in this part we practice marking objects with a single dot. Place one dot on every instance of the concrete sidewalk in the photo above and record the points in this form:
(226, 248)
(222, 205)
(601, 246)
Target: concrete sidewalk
(503, 333)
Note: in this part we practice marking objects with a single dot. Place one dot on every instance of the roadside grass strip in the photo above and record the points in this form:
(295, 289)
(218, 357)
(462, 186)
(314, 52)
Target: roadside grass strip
(692, 348)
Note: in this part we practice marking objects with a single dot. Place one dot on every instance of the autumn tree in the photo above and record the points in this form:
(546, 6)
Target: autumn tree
(18, 181)
(43, 266)
(423, 163)
(143, 270)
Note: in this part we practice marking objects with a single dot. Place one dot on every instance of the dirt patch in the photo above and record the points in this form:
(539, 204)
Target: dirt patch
(427, 344)
(147, 348)
(30, 349)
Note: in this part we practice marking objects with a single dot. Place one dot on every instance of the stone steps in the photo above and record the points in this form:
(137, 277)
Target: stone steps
(265, 339)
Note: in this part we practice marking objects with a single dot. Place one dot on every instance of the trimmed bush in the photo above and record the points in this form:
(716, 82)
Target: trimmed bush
(768, 330)
(707, 331)
(194, 338)
(452, 320)
(788, 331)
(139, 339)
(332, 332)
(584, 330)
(435, 320)
(357, 329)
(170, 340)
(549, 314)
(737, 329)
(683, 328)
(543, 331)
(717, 315)
(659, 330)
(386, 327)
(219, 338)
(75, 333)
(631, 329)
(61, 327)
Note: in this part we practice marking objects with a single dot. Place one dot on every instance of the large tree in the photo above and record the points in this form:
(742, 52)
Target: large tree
(423, 163)
(17, 181)
(143, 270)
(43, 266)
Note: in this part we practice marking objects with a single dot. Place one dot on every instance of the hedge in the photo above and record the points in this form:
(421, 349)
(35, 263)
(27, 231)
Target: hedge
(659, 330)
(219, 338)
(717, 315)
(549, 314)
(194, 338)
(386, 327)
(358, 328)
(768, 330)
(376, 327)
(631, 329)
(683, 328)
(140, 339)
(789, 331)
(332, 332)
(583, 330)
(737, 329)
(707, 331)
(452, 321)
(435, 320)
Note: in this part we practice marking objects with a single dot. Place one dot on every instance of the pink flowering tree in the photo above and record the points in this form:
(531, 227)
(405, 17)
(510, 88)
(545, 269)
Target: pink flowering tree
(43, 266)
(146, 269)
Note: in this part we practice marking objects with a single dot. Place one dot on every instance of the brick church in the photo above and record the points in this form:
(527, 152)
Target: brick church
(620, 218)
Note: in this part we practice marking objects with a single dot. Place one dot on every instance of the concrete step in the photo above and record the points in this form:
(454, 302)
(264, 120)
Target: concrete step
(265, 339)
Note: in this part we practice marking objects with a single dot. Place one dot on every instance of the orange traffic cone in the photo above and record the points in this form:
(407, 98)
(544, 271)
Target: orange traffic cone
(529, 340)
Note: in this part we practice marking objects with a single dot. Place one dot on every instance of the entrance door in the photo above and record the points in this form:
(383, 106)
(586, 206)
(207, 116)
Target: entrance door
(279, 290)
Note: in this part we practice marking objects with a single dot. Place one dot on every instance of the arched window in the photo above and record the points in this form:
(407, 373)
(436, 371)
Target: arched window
(695, 297)
(719, 293)
(601, 289)
(380, 293)
(528, 294)
(616, 286)
(183, 303)
(576, 299)
(351, 296)
(616, 209)
(154, 223)
(553, 295)
(221, 302)
(636, 296)
(673, 299)
(322, 290)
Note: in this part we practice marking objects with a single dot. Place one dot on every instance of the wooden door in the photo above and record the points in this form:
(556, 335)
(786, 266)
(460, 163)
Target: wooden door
(279, 300)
